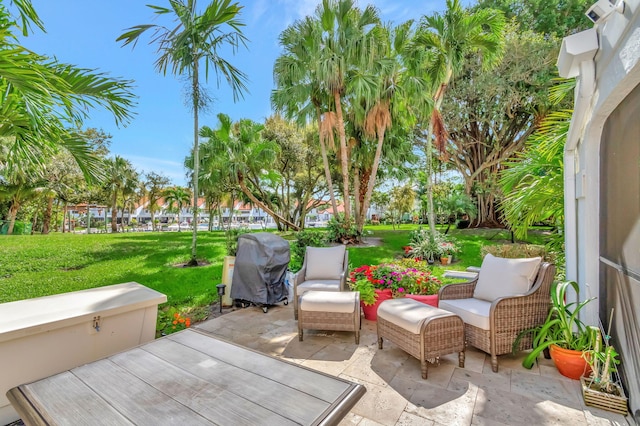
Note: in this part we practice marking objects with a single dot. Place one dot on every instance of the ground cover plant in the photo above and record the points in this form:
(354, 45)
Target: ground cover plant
(40, 265)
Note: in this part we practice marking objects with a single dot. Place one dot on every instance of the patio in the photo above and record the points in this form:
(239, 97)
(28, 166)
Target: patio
(397, 395)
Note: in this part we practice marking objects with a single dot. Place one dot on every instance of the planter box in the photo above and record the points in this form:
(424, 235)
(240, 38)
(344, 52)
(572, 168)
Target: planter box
(47, 335)
(605, 401)
(371, 311)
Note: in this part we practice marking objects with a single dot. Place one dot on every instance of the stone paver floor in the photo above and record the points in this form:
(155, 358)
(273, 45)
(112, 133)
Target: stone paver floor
(396, 393)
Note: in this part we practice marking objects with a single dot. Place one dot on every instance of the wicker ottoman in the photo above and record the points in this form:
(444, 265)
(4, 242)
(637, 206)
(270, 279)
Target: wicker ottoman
(329, 310)
(421, 330)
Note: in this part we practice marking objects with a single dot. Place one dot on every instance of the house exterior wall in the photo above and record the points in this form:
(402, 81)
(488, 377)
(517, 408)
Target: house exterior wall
(602, 87)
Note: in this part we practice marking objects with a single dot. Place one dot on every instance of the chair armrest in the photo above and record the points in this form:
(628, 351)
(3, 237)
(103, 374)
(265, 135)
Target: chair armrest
(345, 272)
(298, 277)
(457, 291)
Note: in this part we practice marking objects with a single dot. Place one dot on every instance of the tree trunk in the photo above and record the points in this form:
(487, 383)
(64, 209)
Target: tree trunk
(196, 160)
(114, 212)
(34, 222)
(46, 219)
(267, 210)
(344, 160)
(65, 226)
(325, 163)
(437, 103)
(13, 212)
(357, 196)
(372, 178)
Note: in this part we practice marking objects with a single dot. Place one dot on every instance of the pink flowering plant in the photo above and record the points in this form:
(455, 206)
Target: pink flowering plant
(448, 248)
(407, 276)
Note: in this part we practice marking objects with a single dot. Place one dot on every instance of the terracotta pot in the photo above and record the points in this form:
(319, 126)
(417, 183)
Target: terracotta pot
(429, 299)
(570, 363)
(444, 260)
(371, 311)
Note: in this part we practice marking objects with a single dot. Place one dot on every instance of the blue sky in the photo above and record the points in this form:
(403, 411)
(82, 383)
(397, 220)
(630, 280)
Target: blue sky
(83, 33)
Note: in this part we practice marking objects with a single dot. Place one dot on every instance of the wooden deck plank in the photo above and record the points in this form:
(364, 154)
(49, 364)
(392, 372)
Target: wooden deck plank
(316, 383)
(209, 399)
(294, 404)
(133, 398)
(63, 399)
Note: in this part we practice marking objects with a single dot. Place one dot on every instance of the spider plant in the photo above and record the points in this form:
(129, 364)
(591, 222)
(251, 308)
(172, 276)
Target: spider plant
(562, 326)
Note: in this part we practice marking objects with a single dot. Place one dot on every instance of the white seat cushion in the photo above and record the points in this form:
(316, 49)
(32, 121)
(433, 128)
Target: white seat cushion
(324, 301)
(318, 285)
(472, 311)
(324, 263)
(408, 313)
(500, 277)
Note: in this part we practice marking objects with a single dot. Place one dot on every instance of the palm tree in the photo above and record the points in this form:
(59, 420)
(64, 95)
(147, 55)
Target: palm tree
(120, 176)
(154, 187)
(177, 198)
(298, 91)
(243, 153)
(195, 38)
(399, 88)
(448, 39)
(346, 45)
(39, 97)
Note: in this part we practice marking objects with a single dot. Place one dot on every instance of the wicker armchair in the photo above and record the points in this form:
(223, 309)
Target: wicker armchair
(508, 316)
(323, 269)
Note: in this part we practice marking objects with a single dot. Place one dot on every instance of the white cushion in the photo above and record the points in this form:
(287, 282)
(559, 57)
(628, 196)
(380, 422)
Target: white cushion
(500, 277)
(319, 285)
(472, 311)
(325, 262)
(408, 314)
(324, 301)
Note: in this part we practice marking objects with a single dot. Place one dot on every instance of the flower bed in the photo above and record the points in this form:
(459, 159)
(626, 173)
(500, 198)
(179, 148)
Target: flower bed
(407, 276)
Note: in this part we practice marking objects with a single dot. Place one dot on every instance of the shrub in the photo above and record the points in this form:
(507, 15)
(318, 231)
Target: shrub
(340, 232)
(232, 239)
(303, 240)
(515, 251)
(424, 245)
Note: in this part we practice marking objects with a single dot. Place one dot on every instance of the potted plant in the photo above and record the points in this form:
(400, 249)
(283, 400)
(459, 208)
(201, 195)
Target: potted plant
(448, 250)
(416, 282)
(425, 245)
(599, 389)
(367, 280)
(566, 336)
(405, 278)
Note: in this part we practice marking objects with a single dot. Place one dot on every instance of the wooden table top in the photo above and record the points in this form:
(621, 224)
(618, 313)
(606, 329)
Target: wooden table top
(187, 378)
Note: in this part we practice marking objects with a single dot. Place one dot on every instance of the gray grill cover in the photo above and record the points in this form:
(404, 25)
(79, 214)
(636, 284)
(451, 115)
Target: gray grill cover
(260, 268)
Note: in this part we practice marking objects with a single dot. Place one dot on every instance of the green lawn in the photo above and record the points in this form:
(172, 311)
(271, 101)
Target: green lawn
(40, 265)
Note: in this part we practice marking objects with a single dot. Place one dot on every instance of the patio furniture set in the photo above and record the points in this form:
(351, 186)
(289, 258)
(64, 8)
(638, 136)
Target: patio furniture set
(505, 297)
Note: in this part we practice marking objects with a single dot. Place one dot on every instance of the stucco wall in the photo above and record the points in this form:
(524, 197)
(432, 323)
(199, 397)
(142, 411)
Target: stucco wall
(617, 74)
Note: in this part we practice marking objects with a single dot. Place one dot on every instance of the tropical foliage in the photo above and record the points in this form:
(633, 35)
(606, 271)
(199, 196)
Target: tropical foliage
(563, 326)
(42, 99)
(448, 39)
